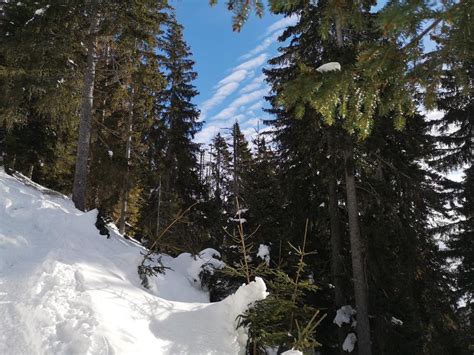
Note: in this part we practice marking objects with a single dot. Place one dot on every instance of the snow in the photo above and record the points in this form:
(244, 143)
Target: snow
(65, 289)
(38, 12)
(331, 66)
(111, 153)
(396, 321)
(264, 253)
(292, 352)
(344, 315)
(238, 220)
(41, 11)
(241, 211)
(349, 342)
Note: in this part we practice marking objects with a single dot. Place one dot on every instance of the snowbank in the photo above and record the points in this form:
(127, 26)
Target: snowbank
(65, 289)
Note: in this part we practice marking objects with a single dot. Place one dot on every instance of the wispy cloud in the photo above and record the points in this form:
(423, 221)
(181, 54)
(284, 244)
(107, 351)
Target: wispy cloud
(246, 107)
(263, 46)
(230, 110)
(256, 106)
(253, 63)
(281, 24)
(253, 85)
(219, 96)
(235, 76)
(231, 82)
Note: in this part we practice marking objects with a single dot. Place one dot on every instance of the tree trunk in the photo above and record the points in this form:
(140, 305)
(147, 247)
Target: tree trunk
(158, 207)
(357, 252)
(85, 125)
(236, 172)
(30, 171)
(126, 185)
(336, 235)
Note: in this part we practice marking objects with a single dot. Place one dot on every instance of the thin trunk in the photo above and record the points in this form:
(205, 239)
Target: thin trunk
(236, 173)
(357, 249)
(126, 185)
(337, 269)
(30, 171)
(158, 209)
(85, 125)
(357, 252)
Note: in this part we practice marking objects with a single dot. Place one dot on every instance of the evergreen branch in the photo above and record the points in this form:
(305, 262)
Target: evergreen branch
(301, 266)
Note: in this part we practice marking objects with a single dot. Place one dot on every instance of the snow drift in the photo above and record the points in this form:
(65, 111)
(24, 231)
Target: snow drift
(65, 289)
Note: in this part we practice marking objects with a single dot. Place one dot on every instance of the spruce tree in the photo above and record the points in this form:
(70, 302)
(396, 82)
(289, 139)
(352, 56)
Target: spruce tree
(176, 153)
(241, 162)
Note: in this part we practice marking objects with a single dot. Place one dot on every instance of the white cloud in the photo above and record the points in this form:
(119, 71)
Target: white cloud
(253, 85)
(229, 111)
(231, 82)
(206, 134)
(226, 113)
(283, 23)
(252, 63)
(254, 122)
(252, 91)
(235, 76)
(218, 97)
(256, 106)
(267, 42)
(250, 97)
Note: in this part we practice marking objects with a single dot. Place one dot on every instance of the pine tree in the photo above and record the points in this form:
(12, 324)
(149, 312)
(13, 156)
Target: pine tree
(220, 168)
(176, 153)
(38, 84)
(241, 162)
(451, 65)
(408, 276)
(263, 198)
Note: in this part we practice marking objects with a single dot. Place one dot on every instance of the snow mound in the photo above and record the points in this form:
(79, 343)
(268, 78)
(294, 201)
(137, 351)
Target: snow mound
(349, 342)
(344, 315)
(65, 289)
(331, 66)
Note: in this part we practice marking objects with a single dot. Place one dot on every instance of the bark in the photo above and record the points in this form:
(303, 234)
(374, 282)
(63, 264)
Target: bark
(158, 209)
(357, 250)
(357, 253)
(30, 171)
(236, 167)
(126, 185)
(337, 269)
(85, 124)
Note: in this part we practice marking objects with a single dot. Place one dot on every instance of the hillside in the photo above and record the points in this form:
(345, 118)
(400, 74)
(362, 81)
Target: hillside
(66, 289)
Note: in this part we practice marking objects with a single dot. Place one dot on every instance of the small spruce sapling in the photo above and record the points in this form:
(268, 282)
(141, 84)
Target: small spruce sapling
(268, 319)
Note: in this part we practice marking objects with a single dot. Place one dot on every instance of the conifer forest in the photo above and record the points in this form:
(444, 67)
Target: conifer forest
(344, 223)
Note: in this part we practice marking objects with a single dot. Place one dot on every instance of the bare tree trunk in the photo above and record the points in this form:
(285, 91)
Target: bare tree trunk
(30, 171)
(85, 125)
(357, 250)
(158, 209)
(236, 173)
(126, 185)
(336, 235)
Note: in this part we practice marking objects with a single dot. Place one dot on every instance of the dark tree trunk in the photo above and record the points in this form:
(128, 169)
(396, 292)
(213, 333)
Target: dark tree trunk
(30, 171)
(337, 269)
(85, 124)
(126, 184)
(357, 253)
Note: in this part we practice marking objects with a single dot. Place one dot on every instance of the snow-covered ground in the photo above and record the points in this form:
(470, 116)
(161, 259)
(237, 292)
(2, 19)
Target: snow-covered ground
(65, 289)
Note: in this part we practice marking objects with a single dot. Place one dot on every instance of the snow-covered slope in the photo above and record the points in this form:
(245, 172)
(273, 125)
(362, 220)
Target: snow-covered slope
(65, 289)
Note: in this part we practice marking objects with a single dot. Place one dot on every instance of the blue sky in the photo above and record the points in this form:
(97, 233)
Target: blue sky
(229, 64)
